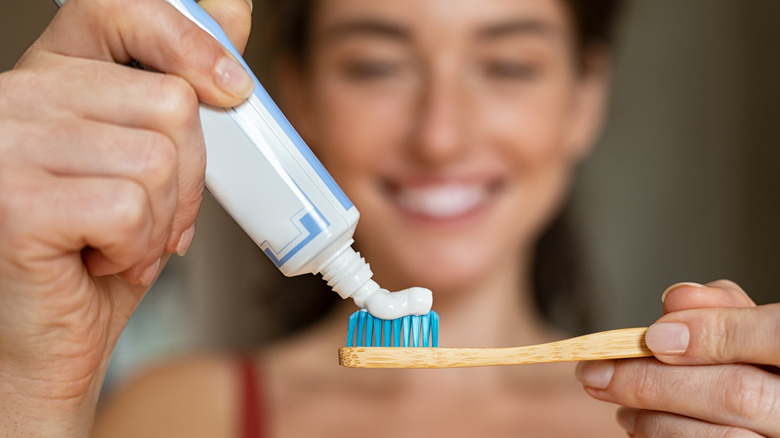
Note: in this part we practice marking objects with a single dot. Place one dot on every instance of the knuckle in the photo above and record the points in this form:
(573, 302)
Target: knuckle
(177, 101)
(128, 204)
(190, 39)
(159, 159)
(647, 389)
(721, 336)
(747, 394)
(729, 286)
(724, 283)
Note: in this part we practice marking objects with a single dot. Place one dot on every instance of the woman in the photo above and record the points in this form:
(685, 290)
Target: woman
(453, 126)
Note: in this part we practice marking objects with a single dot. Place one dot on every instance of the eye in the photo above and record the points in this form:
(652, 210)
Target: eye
(365, 70)
(503, 69)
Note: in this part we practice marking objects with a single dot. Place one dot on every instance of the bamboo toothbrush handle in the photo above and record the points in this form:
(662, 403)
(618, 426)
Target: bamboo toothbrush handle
(613, 344)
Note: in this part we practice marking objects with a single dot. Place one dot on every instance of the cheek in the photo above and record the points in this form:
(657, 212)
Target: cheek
(529, 133)
(530, 130)
(353, 133)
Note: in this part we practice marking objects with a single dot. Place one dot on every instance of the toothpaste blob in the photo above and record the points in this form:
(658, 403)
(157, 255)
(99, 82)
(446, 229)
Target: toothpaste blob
(392, 305)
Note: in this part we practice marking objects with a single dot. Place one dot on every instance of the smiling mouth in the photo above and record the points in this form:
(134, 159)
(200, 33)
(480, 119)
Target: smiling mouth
(444, 201)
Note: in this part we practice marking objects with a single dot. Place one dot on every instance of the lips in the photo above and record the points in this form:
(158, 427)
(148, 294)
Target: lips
(443, 201)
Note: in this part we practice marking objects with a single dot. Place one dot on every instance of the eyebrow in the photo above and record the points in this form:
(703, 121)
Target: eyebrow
(367, 27)
(519, 27)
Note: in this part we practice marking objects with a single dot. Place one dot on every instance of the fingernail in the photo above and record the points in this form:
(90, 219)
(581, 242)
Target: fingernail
(150, 273)
(668, 338)
(250, 5)
(185, 240)
(595, 374)
(626, 418)
(676, 285)
(231, 77)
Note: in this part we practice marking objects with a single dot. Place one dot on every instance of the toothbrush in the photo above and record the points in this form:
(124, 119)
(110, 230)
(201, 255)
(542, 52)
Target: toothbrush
(613, 344)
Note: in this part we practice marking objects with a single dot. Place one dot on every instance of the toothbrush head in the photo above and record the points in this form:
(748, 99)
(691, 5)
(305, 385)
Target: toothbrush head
(366, 330)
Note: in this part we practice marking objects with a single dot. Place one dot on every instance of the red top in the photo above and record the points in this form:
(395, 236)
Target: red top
(252, 401)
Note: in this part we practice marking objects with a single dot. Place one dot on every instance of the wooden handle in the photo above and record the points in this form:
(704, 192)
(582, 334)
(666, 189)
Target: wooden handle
(613, 344)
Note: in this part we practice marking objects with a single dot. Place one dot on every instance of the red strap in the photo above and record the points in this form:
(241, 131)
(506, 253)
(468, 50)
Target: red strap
(252, 401)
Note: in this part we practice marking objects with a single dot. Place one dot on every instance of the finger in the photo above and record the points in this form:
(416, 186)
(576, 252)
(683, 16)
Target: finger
(45, 217)
(640, 423)
(153, 33)
(721, 293)
(99, 91)
(233, 16)
(78, 147)
(740, 396)
(86, 148)
(717, 336)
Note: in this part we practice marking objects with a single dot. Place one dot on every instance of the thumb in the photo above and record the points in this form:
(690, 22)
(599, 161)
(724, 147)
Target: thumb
(156, 35)
(233, 16)
(720, 293)
(717, 336)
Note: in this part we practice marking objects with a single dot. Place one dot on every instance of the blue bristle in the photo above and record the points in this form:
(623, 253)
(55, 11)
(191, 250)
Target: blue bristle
(415, 331)
(434, 329)
(387, 325)
(366, 330)
(377, 332)
(426, 328)
(352, 327)
(405, 328)
(361, 325)
(369, 329)
(396, 334)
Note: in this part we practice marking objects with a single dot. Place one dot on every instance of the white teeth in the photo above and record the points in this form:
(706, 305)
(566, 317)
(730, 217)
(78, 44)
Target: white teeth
(441, 201)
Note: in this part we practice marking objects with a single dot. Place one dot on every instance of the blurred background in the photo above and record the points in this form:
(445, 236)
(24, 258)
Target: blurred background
(683, 186)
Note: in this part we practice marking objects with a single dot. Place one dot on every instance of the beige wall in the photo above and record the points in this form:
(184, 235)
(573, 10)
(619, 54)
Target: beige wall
(685, 184)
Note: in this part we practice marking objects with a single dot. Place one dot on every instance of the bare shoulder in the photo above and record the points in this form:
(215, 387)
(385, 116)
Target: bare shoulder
(190, 396)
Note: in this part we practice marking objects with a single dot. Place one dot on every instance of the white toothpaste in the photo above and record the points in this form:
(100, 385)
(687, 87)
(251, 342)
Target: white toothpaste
(273, 186)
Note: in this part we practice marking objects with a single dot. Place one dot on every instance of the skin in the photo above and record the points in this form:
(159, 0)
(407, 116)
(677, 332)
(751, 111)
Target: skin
(83, 231)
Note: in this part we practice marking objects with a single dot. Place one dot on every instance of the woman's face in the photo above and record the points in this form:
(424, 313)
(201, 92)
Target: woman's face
(453, 125)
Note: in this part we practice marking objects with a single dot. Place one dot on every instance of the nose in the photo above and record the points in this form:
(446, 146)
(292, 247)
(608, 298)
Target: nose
(440, 128)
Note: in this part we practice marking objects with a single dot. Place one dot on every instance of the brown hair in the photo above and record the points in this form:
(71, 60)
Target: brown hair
(285, 25)
(561, 286)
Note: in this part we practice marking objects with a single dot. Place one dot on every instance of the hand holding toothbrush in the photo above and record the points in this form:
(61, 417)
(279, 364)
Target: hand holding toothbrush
(715, 372)
(101, 175)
